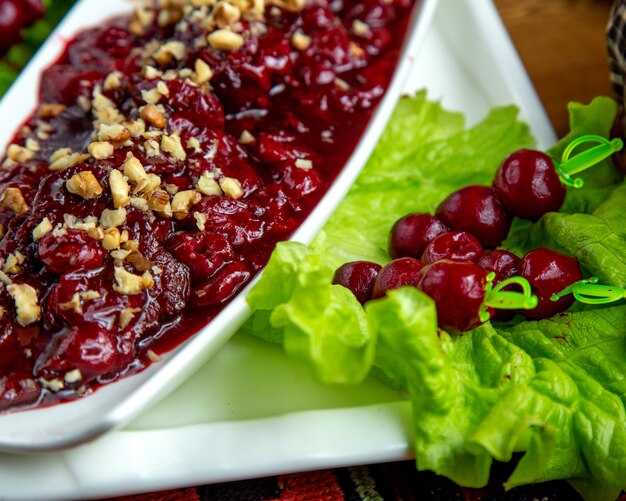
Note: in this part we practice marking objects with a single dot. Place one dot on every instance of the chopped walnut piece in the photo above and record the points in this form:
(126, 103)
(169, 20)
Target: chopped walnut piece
(116, 133)
(119, 188)
(170, 50)
(104, 109)
(163, 89)
(173, 146)
(113, 218)
(194, 144)
(204, 73)
(113, 81)
(200, 220)
(152, 96)
(53, 385)
(153, 357)
(112, 239)
(359, 28)
(133, 169)
(141, 20)
(73, 376)
(150, 72)
(159, 201)
(225, 14)
(139, 203)
(12, 265)
(183, 201)
(152, 147)
(225, 39)
(231, 187)
(300, 41)
(100, 149)
(289, 5)
(84, 184)
(136, 127)
(13, 200)
(50, 110)
(32, 144)
(207, 185)
(155, 117)
(42, 229)
(26, 303)
(63, 158)
(246, 138)
(129, 283)
(342, 84)
(19, 153)
(76, 303)
(304, 164)
(138, 261)
(127, 316)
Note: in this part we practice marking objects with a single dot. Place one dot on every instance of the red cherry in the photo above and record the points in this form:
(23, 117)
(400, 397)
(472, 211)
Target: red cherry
(477, 210)
(398, 273)
(458, 289)
(412, 233)
(359, 277)
(73, 250)
(504, 264)
(549, 272)
(458, 245)
(11, 22)
(528, 185)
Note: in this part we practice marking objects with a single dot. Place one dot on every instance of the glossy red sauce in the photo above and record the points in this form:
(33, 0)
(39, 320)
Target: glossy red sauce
(280, 120)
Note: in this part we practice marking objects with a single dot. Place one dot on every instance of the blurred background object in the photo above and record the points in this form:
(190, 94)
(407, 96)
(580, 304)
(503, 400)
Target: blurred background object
(24, 25)
(561, 37)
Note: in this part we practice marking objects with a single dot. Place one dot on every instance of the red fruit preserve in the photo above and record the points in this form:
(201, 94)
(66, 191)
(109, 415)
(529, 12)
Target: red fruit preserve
(170, 151)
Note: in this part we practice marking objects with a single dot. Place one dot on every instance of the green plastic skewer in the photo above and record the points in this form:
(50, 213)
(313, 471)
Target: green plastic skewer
(573, 165)
(590, 292)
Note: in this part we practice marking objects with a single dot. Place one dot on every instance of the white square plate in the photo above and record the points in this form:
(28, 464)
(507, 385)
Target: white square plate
(251, 411)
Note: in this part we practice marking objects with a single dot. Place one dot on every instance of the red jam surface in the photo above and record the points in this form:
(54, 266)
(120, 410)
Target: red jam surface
(171, 150)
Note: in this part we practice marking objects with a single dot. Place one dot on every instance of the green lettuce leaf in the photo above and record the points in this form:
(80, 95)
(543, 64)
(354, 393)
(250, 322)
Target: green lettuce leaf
(553, 390)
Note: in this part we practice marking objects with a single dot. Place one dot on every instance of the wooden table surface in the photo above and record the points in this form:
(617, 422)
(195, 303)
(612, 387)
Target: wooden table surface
(562, 45)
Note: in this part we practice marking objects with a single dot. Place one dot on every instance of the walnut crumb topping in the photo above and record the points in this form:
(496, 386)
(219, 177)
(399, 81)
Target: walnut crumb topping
(128, 283)
(100, 149)
(26, 303)
(300, 41)
(73, 376)
(200, 220)
(13, 200)
(84, 184)
(172, 145)
(231, 187)
(207, 185)
(183, 201)
(127, 316)
(120, 188)
(111, 218)
(155, 117)
(19, 154)
(204, 73)
(225, 39)
(42, 229)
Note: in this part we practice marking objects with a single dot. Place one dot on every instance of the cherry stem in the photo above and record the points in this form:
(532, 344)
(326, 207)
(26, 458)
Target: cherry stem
(590, 292)
(584, 160)
(500, 299)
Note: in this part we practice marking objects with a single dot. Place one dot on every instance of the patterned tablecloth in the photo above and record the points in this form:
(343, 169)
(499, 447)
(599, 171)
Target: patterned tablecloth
(389, 481)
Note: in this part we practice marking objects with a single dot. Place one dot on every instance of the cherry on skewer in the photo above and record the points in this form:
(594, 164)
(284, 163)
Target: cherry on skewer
(549, 272)
(464, 294)
(529, 183)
